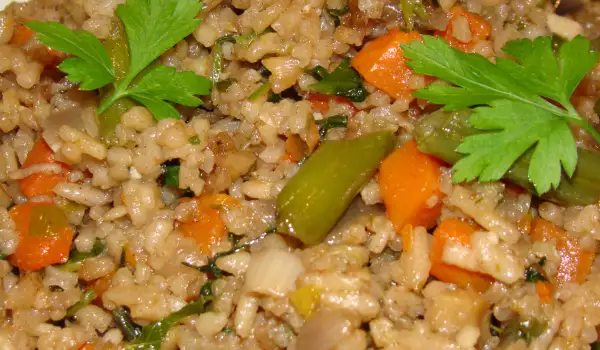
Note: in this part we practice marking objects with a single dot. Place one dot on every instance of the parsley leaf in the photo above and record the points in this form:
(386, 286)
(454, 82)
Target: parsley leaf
(154, 26)
(163, 84)
(343, 81)
(555, 144)
(92, 68)
(152, 335)
(511, 104)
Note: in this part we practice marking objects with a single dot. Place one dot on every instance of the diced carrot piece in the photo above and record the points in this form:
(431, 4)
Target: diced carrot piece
(409, 186)
(479, 27)
(407, 238)
(295, 148)
(544, 290)
(382, 63)
(45, 235)
(524, 224)
(41, 184)
(100, 286)
(312, 136)
(320, 102)
(21, 35)
(87, 346)
(130, 258)
(456, 231)
(206, 226)
(575, 262)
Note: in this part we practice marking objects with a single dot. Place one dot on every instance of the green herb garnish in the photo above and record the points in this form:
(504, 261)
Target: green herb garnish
(336, 121)
(224, 85)
(122, 318)
(76, 257)
(194, 140)
(260, 91)
(86, 298)
(337, 13)
(152, 335)
(211, 267)
(510, 100)
(343, 81)
(409, 9)
(152, 27)
(171, 174)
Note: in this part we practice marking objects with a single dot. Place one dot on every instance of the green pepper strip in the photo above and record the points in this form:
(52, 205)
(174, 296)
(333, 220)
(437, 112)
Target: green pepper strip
(118, 52)
(440, 133)
(317, 196)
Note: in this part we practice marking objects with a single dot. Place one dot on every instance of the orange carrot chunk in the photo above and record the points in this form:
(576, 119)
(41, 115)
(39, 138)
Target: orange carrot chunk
(45, 236)
(409, 185)
(21, 35)
(382, 64)
(575, 262)
(41, 184)
(456, 231)
(206, 226)
(479, 28)
(544, 290)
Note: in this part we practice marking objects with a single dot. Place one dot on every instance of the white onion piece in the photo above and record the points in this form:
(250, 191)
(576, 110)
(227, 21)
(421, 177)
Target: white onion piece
(273, 272)
(325, 329)
(71, 117)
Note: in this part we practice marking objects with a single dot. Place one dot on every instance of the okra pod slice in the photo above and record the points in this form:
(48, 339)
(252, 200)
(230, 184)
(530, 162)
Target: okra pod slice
(318, 194)
(440, 133)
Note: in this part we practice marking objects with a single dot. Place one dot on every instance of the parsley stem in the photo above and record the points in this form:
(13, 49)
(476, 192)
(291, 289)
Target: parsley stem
(106, 102)
(571, 115)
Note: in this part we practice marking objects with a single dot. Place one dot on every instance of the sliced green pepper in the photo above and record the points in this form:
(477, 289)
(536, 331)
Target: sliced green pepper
(118, 51)
(440, 133)
(47, 221)
(317, 196)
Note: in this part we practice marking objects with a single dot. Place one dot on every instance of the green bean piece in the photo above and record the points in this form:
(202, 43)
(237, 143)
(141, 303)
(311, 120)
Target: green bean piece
(440, 133)
(118, 51)
(321, 191)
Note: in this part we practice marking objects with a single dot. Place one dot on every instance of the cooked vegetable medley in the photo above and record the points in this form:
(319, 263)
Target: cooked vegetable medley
(302, 175)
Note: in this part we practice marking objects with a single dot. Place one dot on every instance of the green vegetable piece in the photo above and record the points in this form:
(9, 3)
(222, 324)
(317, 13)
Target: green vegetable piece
(273, 97)
(86, 298)
(595, 345)
(118, 52)
(47, 221)
(318, 194)
(152, 27)
(122, 318)
(153, 334)
(337, 13)
(229, 330)
(76, 257)
(440, 133)
(263, 89)
(165, 84)
(411, 7)
(108, 120)
(224, 85)
(211, 267)
(171, 173)
(535, 273)
(343, 81)
(216, 62)
(92, 68)
(336, 121)
(513, 104)
(194, 140)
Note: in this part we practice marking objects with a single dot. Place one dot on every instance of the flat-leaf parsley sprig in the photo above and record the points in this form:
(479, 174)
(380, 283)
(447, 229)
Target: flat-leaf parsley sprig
(513, 100)
(152, 27)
